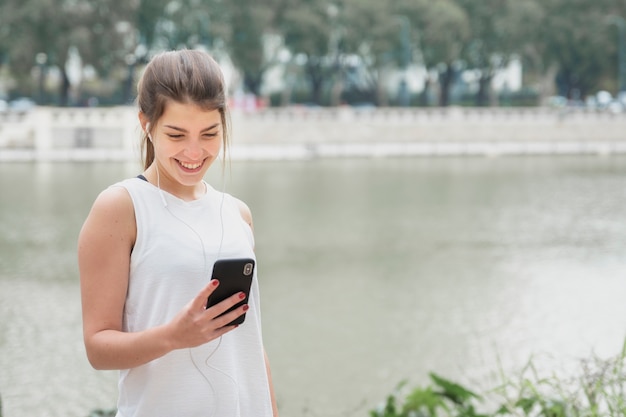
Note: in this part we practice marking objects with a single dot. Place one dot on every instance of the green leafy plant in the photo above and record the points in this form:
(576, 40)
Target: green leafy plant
(599, 390)
(441, 398)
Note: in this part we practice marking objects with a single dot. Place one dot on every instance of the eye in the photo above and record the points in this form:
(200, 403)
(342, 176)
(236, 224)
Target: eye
(210, 135)
(175, 135)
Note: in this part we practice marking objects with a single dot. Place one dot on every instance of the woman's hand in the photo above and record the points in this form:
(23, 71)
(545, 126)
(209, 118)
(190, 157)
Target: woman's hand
(195, 325)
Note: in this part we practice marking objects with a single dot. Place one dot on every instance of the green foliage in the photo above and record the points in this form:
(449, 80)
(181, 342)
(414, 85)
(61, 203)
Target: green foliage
(599, 391)
(250, 21)
(323, 41)
(442, 398)
(53, 27)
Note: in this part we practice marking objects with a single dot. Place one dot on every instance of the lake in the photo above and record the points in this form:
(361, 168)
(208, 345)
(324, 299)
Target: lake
(372, 271)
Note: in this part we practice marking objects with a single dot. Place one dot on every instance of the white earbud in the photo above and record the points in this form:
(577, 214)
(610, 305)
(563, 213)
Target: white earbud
(148, 131)
(157, 169)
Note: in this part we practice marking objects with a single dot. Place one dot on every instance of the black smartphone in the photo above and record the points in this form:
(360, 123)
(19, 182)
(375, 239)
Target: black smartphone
(234, 275)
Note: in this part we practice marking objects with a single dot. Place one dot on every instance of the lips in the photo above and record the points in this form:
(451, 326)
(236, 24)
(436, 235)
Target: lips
(189, 165)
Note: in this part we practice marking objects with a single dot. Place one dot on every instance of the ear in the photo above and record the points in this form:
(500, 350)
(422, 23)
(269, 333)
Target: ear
(144, 121)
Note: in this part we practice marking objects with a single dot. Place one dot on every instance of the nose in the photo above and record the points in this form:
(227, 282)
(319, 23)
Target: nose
(194, 149)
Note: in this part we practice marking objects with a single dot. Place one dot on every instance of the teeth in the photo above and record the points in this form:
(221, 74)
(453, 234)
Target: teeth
(190, 166)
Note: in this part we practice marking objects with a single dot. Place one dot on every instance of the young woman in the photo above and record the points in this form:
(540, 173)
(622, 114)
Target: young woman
(146, 253)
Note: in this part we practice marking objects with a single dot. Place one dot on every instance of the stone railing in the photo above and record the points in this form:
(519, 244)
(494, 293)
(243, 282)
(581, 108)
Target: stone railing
(113, 133)
(431, 124)
(431, 113)
(51, 132)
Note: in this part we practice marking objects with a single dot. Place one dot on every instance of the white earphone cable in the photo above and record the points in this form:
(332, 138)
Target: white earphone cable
(205, 273)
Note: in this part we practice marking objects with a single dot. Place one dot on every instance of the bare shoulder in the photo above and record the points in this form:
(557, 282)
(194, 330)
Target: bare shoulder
(246, 214)
(112, 216)
(115, 204)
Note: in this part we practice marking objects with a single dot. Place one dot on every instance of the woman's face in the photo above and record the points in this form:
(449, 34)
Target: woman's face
(187, 139)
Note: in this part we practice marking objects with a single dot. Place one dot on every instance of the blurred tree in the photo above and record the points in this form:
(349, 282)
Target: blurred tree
(526, 38)
(237, 27)
(565, 43)
(337, 45)
(306, 28)
(4, 37)
(577, 42)
(442, 29)
(373, 33)
(188, 24)
(617, 52)
(24, 37)
(159, 25)
(47, 29)
(145, 22)
(486, 50)
(105, 36)
(250, 23)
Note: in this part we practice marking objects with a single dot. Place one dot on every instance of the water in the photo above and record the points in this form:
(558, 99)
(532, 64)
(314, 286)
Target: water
(372, 271)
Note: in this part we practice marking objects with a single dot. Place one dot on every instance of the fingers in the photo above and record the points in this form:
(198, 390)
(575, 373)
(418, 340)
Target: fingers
(201, 299)
(195, 324)
(225, 321)
(200, 302)
(221, 312)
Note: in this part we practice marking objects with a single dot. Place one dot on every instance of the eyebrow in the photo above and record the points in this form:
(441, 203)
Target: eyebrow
(180, 129)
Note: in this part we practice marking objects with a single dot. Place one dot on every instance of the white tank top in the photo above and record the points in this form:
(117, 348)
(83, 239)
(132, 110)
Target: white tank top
(171, 262)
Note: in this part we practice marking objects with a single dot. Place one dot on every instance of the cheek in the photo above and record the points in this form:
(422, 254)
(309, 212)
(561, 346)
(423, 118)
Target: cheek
(214, 147)
(164, 147)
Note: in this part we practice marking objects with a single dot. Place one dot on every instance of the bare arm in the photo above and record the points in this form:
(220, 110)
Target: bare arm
(246, 214)
(104, 248)
(272, 394)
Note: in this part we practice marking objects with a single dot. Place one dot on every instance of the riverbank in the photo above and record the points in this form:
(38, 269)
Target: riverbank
(83, 134)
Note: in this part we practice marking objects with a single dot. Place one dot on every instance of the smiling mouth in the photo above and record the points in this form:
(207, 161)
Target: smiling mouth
(190, 166)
